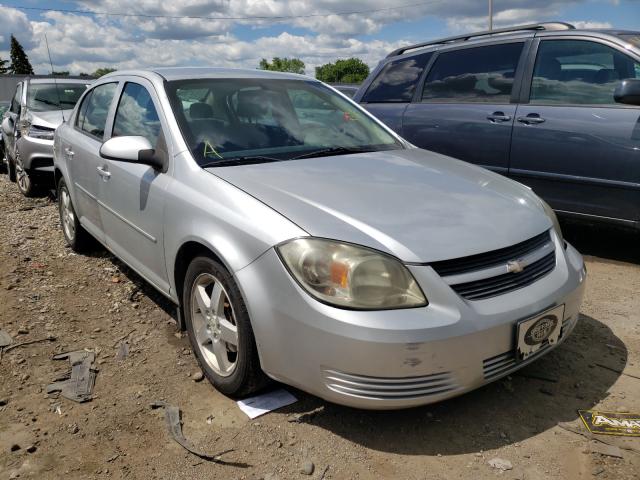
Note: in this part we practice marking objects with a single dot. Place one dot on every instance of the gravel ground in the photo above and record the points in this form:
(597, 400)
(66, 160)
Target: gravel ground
(94, 302)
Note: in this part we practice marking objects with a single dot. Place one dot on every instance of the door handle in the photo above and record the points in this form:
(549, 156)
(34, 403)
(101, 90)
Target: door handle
(104, 173)
(498, 117)
(68, 152)
(531, 119)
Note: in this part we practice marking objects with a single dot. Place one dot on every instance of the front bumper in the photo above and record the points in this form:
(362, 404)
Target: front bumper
(36, 154)
(399, 358)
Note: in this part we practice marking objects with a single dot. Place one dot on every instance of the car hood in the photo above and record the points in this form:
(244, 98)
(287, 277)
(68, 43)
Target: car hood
(49, 119)
(417, 205)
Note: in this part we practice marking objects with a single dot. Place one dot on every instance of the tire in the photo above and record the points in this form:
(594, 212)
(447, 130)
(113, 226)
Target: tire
(240, 374)
(12, 169)
(74, 234)
(24, 180)
(3, 160)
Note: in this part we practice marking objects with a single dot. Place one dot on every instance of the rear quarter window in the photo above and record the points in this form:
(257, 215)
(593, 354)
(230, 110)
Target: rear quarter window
(397, 80)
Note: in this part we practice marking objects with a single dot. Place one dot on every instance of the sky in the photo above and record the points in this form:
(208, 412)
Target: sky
(317, 31)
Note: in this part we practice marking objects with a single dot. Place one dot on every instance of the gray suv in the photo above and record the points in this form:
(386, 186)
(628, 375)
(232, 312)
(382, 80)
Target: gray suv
(548, 105)
(37, 108)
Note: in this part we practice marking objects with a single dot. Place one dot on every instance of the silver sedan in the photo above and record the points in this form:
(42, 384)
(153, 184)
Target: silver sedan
(305, 242)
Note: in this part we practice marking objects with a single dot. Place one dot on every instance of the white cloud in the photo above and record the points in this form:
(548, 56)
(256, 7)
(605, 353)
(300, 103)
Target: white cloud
(84, 43)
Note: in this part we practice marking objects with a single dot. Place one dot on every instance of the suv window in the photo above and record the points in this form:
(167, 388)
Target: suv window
(480, 74)
(15, 101)
(578, 72)
(397, 80)
(92, 116)
(136, 114)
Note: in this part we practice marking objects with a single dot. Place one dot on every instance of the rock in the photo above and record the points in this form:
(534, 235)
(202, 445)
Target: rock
(197, 376)
(23, 331)
(3, 402)
(32, 449)
(500, 464)
(15, 447)
(622, 409)
(73, 428)
(307, 467)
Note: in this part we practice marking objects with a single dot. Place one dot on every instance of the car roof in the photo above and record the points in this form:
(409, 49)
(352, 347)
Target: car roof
(190, 73)
(520, 31)
(60, 80)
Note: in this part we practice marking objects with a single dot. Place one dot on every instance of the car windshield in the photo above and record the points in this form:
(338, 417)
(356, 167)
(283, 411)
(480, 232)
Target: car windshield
(633, 38)
(42, 97)
(270, 120)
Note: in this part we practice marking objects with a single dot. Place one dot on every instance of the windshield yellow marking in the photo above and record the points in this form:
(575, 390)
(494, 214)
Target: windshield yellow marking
(209, 151)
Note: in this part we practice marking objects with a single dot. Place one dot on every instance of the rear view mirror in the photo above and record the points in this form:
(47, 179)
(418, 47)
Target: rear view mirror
(7, 126)
(628, 92)
(132, 150)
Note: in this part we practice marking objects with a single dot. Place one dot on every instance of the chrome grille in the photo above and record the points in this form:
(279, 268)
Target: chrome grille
(494, 258)
(388, 388)
(500, 284)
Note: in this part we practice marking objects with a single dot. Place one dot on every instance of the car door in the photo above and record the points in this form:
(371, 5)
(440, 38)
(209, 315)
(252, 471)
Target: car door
(392, 88)
(81, 149)
(132, 195)
(572, 143)
(468, 102)
(13, 114)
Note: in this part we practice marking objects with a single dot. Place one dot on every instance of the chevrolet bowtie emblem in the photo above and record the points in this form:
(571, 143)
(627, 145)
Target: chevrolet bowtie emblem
(515, 266)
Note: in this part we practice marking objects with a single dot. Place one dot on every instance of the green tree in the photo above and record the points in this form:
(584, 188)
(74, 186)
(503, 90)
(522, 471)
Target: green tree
(103, 71)
(60, 74)
(19, 61)
(3, 66)
(351, 70)
(292, 65)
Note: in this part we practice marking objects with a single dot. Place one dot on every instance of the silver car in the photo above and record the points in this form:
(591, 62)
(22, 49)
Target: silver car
(306, 242)
(38, 106)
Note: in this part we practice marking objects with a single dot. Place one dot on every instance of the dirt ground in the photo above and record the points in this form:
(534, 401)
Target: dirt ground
(94, 302)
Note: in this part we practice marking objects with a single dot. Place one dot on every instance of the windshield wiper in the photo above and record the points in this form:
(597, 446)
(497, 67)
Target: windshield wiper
(248, 160)
(325, 152)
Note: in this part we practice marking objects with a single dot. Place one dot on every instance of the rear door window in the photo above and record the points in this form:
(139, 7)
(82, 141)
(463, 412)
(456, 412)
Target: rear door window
(92, 117)
(15, 102)
(578, 72)
(397, 80)
(474, 75)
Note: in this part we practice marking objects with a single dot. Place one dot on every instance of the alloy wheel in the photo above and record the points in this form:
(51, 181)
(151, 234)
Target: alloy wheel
(67, 215)
(214, 324)
(24, 182)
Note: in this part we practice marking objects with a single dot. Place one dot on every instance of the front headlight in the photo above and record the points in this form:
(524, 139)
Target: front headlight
(43, 133)
(554, 219)
(349, 276)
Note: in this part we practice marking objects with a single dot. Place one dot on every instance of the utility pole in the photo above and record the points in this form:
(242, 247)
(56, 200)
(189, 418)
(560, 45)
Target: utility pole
(490, 15)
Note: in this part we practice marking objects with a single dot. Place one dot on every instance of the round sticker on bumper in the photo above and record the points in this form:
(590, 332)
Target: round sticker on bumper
(540, 331)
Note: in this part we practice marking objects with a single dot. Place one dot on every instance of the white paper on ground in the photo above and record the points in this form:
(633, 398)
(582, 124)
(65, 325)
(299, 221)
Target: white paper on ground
(265, 403)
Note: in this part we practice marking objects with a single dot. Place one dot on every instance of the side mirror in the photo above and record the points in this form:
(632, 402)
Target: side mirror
(7, 126)
(132, 150)
(628, 92)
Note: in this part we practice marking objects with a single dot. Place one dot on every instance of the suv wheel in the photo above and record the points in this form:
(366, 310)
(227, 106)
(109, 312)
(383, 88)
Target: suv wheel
(11, 168)
(74, 235)
(4, 165)
(219, 329)
(26, 185)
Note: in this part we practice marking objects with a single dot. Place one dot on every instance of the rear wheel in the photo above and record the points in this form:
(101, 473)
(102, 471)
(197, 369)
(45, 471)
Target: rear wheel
(74, 235)
(219, 329)
(11, 168)
(25, 182)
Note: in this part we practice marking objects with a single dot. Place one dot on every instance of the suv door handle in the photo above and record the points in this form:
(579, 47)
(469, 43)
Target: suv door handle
(68, 152)
(531, 119)
(498, 117)
(103, 173)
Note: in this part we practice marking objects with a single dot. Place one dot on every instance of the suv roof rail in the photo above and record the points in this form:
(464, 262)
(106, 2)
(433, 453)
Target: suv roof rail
(550, 26)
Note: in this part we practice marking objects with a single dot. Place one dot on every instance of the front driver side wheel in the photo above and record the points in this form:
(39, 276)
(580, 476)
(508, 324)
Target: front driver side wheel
(219, 329)
(25, 182)
(74, 234)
